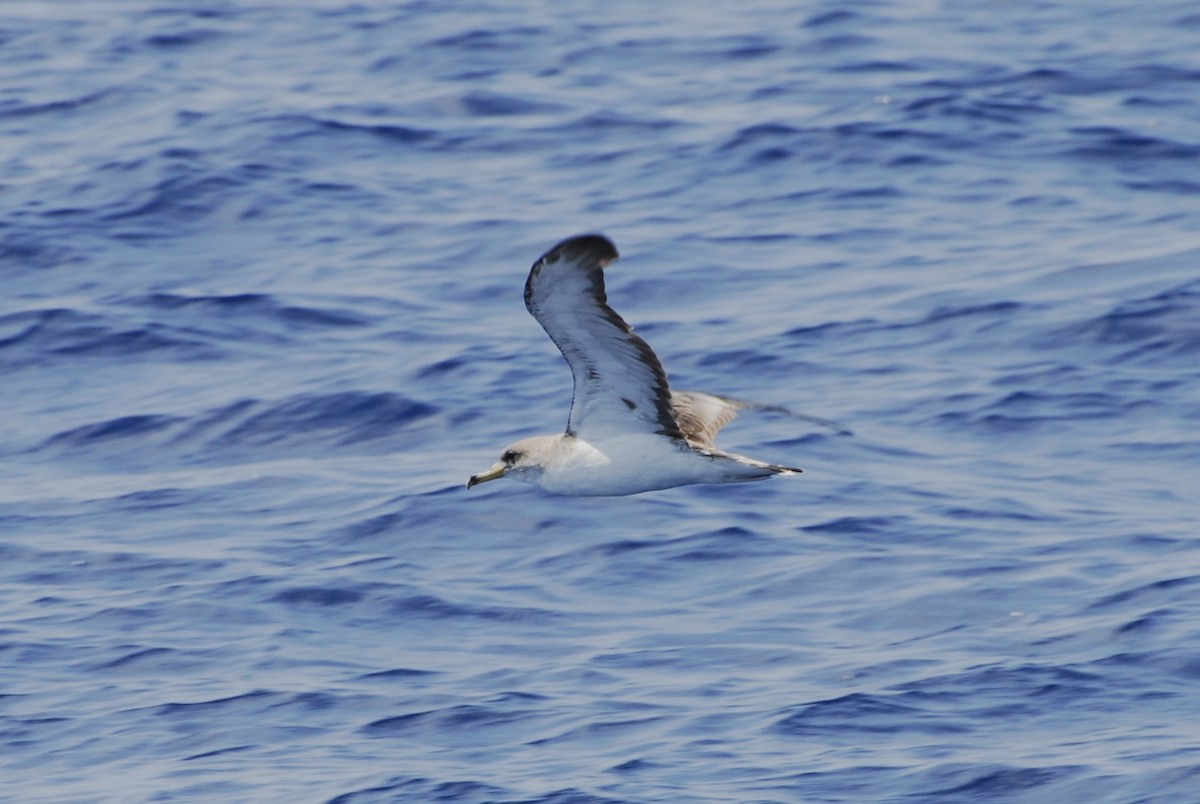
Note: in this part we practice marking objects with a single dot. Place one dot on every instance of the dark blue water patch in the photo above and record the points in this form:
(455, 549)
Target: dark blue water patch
(317, 596)
(290, 128)
(871, 65)
(184, 38)
(1169, 589)
(122, 427)
(768, 155)
(1173, 186)
(996, 693)
(1184, 452)
(759, 133)
(424, 513)
(11, 109)
(498, 39)
(126, 619)
(19, 732)
(466, 719)
(93, 342)
(838, 43)
(72, 569)
(656, 557)
(863, 136)
(177, 200)
(1070, 405)
(1116, 145)
(450, 367)
(610, 123)
(944, 326)
(1044, 202)
(399, 674)
(235, 749)
(255, 309)
(248, 703)
(432, 607)
(824, 19)
(745, 47)
(50, 336)
(152, 661)
(304, 702)
(875, 782)
(917, 161)
(1004, 510)
(339, 419)
(992, 783)
(918, 133)
(799, 445)
(1009, 108)
(609, 731)
(862, 526)
(853, 145)
(150, 501)
(991, 311)
(1099, 77)
(726, 545)
(609, 549)
(994, 424)
(139, 439)
(1150, 102)
(831, 331)
(245, 588)
(1145, 623)
(34, 250)
(669, 660)
(1162, 329)
(494, 104)
(862, 714)
(381, 524)
(863, 236)
(571, 795)
(744, 359)
(180, 38)
(1155, 674)
(1038, 411)
(418, 788)
(1040, 375)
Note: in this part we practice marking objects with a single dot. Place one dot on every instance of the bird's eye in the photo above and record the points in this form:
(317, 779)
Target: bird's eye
(510, 456)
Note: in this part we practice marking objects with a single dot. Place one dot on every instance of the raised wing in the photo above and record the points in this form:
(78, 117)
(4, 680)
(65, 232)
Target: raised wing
(620, 386)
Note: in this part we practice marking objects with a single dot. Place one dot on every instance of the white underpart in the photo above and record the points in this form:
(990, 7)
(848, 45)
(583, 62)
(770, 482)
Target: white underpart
(629, 465)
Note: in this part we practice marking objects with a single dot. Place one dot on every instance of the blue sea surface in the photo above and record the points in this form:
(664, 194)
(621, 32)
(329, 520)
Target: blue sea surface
(262, 267)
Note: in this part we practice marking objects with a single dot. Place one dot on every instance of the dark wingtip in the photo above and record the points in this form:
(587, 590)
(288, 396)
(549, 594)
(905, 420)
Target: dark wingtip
(594, 251)
(595, 246)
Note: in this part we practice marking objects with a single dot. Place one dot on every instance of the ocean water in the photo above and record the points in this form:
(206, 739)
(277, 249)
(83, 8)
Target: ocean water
(262, 268)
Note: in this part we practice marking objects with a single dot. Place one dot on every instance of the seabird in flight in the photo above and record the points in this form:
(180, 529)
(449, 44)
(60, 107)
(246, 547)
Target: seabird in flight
(628, 432)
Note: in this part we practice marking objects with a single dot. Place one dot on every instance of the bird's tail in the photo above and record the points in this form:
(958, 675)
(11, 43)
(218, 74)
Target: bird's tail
(744, 468)
(773, 468)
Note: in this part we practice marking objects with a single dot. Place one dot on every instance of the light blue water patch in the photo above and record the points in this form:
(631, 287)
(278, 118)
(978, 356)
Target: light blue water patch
(262, 318)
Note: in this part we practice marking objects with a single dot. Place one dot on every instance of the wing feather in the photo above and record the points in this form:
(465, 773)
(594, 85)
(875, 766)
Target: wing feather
(620, 385)
(701, 416)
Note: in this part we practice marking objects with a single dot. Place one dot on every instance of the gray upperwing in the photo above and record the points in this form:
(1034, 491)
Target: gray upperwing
(620, 385)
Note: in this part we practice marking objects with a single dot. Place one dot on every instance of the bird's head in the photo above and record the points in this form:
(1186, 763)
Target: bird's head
(520, 461)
